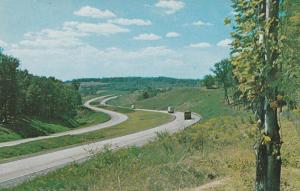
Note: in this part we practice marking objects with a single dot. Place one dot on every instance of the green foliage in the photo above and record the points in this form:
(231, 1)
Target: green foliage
(151, 92)
(291, 54)
(263, 64)
(259, 51)
(209, 81)
(47, 97)
(8, 88)
(94, 85)
(8, 135)
(223, 72)
(23, 94)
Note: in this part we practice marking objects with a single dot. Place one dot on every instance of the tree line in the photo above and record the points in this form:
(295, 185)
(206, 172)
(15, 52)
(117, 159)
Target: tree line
(263, 71)
(25, 95)
(93, 85)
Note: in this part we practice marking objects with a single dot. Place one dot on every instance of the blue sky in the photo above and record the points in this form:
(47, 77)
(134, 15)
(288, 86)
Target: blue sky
(108, 38)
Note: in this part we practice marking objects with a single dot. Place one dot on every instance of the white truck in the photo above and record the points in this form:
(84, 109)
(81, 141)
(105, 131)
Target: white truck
(170, 109)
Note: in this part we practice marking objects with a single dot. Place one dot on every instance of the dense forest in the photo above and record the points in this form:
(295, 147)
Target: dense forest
(25, 95)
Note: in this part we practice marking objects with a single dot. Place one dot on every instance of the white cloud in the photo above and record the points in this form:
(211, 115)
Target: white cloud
(88, 11)
(138, 22)
(51, 43)
(200, 45)
(69, 36)
(224, 43)
(84, 60)
(3, 44)
(49, 38)
(171, 6)
(99, 29)
(155, 51)
(172, 34)
(147, 36)
(51, 33)
(202, 23)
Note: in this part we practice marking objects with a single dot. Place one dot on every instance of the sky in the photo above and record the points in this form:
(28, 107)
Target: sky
(71, 39)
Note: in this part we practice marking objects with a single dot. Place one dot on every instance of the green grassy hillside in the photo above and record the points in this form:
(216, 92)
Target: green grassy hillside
(30, 127)
(208, 103)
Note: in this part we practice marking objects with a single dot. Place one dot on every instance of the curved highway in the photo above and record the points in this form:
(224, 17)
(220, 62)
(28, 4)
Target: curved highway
(14, 172)
(115, 119)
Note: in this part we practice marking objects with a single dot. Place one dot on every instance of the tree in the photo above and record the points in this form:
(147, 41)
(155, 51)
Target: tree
(223, 72)
(291, 53)
(209, 81)
(26, 95)
(258, 58)
(8, 87)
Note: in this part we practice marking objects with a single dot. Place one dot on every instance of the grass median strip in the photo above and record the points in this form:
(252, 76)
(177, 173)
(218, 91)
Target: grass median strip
(138, 121)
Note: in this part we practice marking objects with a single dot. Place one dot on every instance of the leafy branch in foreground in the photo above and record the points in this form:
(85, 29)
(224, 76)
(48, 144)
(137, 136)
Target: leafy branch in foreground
(259, 57)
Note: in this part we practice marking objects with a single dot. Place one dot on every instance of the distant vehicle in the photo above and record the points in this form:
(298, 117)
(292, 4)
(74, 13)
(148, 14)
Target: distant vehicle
(170, 110)
(132, 106)
(187, 115)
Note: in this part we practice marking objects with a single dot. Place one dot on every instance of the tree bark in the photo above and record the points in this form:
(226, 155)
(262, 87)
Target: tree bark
(261, 166)
(273, 150)
(226, 96)
(260, 148)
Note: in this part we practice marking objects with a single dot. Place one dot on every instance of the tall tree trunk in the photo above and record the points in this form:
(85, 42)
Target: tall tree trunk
(260, 148)
(273, 149)
(268, 159)
(261, 166)
(226, 95)
(271, 121)
(268, 153)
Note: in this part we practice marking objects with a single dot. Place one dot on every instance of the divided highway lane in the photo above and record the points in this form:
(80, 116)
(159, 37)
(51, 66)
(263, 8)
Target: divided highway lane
(14, 172)
(116, 118)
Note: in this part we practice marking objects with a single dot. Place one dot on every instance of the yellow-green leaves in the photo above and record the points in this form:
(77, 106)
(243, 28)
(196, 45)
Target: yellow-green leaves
(227, 21)
(266, 139)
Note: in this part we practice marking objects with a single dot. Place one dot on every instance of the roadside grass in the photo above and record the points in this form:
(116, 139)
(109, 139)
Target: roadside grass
(208, 103)
(138, 121)
(34, 127)
(220, 147)
(8, 135)
(86, 117)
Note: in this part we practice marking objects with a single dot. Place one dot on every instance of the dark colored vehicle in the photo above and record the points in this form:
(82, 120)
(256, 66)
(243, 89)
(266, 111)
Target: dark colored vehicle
(187, 115)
